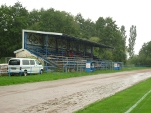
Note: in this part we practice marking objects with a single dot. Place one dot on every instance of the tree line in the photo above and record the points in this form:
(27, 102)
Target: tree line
(104, 31)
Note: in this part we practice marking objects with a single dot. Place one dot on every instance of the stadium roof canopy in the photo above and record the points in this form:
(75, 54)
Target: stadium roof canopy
(69, 38)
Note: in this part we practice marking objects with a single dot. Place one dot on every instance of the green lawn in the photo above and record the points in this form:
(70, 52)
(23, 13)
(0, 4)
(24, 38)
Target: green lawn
(6, 80)
(122, 101)
(144, 106)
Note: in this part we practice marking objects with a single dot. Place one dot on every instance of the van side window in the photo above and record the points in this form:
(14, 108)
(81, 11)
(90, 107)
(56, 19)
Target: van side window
(25, 62)
(37, 62)
(14, 62)
(32, 62)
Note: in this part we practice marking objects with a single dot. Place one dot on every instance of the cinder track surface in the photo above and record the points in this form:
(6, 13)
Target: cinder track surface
(66, 95)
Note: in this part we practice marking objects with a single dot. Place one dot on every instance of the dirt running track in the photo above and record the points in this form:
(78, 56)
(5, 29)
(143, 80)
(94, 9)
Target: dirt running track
(67, 95)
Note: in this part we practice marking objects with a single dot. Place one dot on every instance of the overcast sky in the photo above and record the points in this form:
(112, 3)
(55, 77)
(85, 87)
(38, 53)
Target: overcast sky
(124, 12)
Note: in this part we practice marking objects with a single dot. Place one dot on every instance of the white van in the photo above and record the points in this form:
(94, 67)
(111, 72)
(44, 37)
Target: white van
(24, 66)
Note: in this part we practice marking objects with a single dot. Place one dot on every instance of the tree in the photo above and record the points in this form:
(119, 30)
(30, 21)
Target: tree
(145, 54)
(131, 40)
(34, 19)
(56, 21)
(96, 49)
(12, 20)
(104, 31)
(100, 28)
(123, 34)
(86, 27)
(109, 34)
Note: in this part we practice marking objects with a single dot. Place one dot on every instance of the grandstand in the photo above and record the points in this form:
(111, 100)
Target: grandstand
(61, 52)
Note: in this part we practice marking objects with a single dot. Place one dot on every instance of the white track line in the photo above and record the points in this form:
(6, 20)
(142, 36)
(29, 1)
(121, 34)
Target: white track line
(130, 109)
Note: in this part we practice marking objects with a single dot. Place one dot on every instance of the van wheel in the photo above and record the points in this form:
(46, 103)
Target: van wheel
(10, 74)
(25, 73)
(41, 71)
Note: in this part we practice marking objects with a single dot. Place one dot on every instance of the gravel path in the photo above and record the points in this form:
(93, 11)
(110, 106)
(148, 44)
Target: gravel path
(67, 95)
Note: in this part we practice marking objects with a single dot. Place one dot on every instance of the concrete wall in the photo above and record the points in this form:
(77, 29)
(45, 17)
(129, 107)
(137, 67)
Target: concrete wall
(24, 54)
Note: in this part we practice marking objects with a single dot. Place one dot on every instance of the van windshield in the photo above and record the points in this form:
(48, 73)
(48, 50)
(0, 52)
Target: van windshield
(14, 62)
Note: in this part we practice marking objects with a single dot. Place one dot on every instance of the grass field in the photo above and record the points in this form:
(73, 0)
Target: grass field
(6, 80)
(123, 101)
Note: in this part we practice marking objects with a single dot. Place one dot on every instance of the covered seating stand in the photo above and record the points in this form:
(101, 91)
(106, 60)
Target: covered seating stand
(62, 52)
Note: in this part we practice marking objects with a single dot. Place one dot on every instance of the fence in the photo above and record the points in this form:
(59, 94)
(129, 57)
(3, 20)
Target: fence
(3, 69)
(69, 65)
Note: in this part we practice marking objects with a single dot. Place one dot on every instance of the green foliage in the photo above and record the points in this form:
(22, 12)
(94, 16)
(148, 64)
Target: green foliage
(34, 19)
(12, 20)
(96, 50)
(56, 21)
(86, 27)
(123, 33)
(124, 48)
(144, 56)
(131, 40)
(15, 18)
(109, 34)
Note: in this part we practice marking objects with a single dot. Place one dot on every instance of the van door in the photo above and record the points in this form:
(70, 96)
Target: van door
(33, 66)
(26, 66)
(38, 66)
(14, 66)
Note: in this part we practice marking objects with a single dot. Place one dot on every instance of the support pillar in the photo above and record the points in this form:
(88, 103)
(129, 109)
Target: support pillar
(92, 52)
(46, 42)
(56, 45)
(25, 40)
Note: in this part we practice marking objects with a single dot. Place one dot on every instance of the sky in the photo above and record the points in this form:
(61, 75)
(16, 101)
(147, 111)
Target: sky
(124, 12)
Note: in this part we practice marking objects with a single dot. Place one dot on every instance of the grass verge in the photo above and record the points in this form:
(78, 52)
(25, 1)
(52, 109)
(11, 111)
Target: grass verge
(122, 101)
(6, 80)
